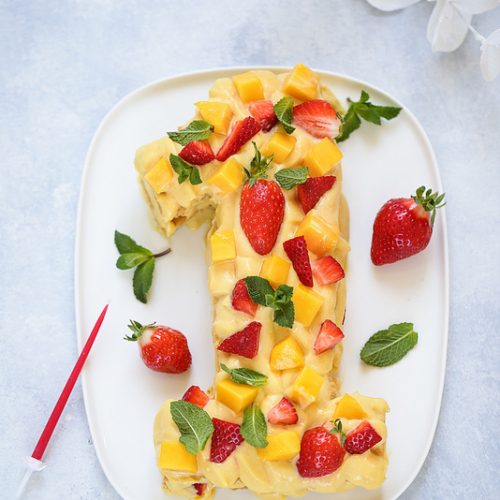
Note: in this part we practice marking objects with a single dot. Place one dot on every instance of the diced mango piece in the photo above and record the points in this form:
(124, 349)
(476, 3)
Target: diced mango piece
(249, 86)
(160, 175)
(280, 146)
(282, 445)
(322, 157)
(218, 114)
(286, 354)
(348, 407)
(306, 387)
(307, 303)
(223, 246)
(228, 177)
(236, 396)
(275, 270)
(174, 456)
(302, 83)
(320, 236)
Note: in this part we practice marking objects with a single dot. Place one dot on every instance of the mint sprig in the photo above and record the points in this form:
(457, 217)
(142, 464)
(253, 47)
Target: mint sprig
(194, 424)
(184, 170)
(245, 376)
(284, 112)
(254, 427)
(288, 178)
(368, 111)
(280, 300)
(135, 256)
(387, 347)
(197, 130)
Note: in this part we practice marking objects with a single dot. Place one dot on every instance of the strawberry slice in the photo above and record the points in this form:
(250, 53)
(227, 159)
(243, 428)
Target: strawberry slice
(195, 396)
(313, 189)
(225, 439)
(327, 270)
(284, 413)
(361, 438)
(200, 488)
(197, 153)
(328, 337)
(241, 300)
(317, 117)
(263, 112)
(296, 249)
(241, 133)
(243, 343)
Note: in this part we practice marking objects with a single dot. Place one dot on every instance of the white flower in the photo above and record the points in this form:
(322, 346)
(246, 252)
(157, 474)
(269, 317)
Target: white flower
(490, 56)
(447, 27)
(389, 5)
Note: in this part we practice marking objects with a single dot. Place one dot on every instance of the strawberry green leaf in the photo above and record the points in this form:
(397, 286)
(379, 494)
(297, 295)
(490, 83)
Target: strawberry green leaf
(137, 330)
(125, 244)
(284, 112)
(131, 260)
(245, 376)
(184, 170)
(254, 427)
(288, 178)
(197, 130)
(337, 429)
(143, 277)
(258, 166)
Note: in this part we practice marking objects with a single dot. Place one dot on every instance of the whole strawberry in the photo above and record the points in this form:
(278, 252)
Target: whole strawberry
(262, 206)
(403, 226)
(162, 349)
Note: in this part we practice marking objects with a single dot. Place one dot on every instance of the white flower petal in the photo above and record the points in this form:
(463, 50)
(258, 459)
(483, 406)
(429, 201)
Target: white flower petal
(490, 56)
(447, 28)
(388, 5)
(476, 6)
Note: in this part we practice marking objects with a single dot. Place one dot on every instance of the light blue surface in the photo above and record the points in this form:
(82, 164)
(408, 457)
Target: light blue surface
(63, 65)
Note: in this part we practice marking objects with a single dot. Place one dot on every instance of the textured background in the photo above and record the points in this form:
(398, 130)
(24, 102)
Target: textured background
(64, 64)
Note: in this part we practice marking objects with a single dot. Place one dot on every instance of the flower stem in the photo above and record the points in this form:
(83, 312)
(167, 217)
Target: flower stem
(161, 254)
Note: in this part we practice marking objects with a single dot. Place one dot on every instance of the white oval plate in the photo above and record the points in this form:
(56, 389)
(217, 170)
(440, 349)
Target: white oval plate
(122, 395)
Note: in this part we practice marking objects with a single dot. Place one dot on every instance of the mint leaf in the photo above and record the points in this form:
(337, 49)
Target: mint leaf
(288, 178)
(254, 427)
(350, 123)
(131, 260)
(245, 376)
(184, 170)
(258, 288)
(125, 244)
(387, 347)
(197, 130)
(194, 424)
(143, 277)
(284, 112)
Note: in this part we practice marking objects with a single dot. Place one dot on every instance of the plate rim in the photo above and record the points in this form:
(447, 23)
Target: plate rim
(216, 71)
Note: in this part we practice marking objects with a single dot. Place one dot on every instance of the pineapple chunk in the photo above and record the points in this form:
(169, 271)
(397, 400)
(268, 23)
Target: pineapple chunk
(228, 177)
(307, 303)
(236, 396)
(174, 456)
(322, 157)
(218, 114)
(249, 86)
(282, 445)
(286, 355)
(320, 236)
(275, 270)
(302, 83)
(223, 246)
(348, 407)
(160, 175)
(306, 387)
(280, 146)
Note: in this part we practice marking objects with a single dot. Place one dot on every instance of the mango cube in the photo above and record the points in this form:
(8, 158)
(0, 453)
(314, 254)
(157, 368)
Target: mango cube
(275, 270)
(322, 157)
(320, 236)
(223, 246)
(218, 114)
(281, 446)
(348, 407)
(228, 177)
(280, 146)
(286, 354)
(302, 83)
(160, 175)
(307, 303)
(249, 86)
(174, 456)
(235, 396)
(306, 387)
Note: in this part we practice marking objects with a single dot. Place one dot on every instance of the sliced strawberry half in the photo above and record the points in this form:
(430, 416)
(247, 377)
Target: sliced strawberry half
(241, 133)
(317, 117)
(197, 153)
(327, 270)
(284, 413)
(328, 337)
(241, 300)
(313, 189)
(196, 396)
(225, 439)
(296, 249)
(200, 488)
(243, 343)
(263, 112)
(361, 438)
